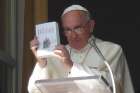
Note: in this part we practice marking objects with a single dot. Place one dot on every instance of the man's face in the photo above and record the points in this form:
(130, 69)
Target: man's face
(77, 28)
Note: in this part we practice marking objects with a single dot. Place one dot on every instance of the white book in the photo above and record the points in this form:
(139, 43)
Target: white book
(48, 37)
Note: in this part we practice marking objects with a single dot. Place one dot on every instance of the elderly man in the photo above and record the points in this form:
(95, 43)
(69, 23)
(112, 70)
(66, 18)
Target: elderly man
(83, 56)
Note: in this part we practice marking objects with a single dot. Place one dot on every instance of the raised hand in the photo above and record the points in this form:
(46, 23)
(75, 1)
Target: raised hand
(34, 46)
(62, 53)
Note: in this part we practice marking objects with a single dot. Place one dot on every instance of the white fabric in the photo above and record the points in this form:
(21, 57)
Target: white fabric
(92, 65)
(74, 7)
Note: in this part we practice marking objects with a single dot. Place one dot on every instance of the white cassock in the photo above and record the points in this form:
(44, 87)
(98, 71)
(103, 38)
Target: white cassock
(88, 62)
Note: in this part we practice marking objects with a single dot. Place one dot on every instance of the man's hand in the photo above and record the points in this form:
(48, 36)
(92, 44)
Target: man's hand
(62, 53)
(34, 46)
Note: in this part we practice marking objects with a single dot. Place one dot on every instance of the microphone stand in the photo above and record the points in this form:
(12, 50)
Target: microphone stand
(105, 62)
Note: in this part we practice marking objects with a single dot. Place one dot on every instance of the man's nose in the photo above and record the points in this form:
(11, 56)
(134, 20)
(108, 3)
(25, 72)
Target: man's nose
(73, 34)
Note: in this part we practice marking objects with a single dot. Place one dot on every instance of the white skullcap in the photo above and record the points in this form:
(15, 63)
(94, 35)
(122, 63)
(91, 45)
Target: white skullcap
(74, 7)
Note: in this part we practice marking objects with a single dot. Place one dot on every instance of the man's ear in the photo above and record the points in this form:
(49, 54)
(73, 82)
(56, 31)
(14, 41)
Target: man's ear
(92, 25)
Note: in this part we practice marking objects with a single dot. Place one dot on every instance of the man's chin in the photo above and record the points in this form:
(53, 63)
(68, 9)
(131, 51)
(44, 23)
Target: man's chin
(76, 46)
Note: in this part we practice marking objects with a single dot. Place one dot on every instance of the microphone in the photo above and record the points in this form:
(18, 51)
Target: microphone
(105, 62)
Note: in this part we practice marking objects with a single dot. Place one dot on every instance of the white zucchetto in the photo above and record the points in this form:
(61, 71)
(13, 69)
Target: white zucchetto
(74, 7)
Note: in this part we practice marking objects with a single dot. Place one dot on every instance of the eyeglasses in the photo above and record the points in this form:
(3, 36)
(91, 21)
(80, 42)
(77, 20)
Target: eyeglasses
(77, 29)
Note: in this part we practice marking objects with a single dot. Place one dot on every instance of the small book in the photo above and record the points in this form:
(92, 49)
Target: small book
(48, 37)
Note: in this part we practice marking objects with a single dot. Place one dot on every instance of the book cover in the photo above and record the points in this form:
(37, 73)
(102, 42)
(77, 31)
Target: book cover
(48, 37)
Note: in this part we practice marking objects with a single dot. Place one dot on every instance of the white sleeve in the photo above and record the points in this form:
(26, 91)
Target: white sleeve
(128, 86)
(38, 73)
(52, 70)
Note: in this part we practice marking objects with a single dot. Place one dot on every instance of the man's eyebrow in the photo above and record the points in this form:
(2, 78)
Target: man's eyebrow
(77, 26)
(74, 27)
